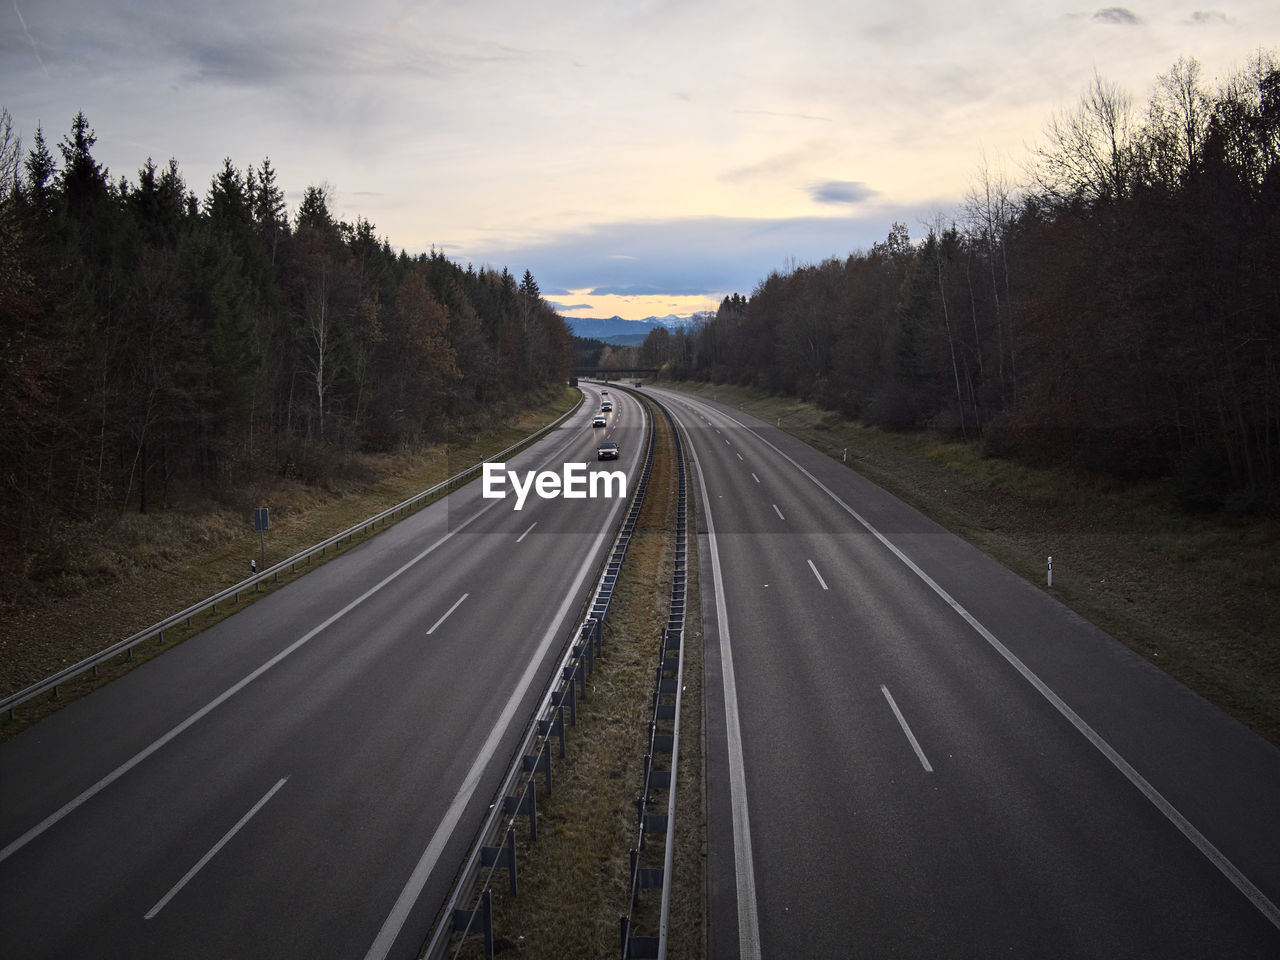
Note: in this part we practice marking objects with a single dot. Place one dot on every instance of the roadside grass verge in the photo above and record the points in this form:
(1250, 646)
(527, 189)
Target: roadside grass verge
(106, 580)
(574, 882)
(1198, 595)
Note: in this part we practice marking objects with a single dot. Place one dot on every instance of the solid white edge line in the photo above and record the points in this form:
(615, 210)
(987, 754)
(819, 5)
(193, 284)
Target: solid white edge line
(1202, 843)
(417, 881)
(527, 532)
(447, 613)
(744, 867)
(822, 582)
(226, 838)
(902, 722)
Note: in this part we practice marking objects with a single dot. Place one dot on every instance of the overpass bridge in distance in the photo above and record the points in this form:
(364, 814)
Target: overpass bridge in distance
(614, 373)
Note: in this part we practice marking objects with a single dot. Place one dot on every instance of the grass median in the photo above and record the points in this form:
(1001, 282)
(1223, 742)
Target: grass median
(574, 881)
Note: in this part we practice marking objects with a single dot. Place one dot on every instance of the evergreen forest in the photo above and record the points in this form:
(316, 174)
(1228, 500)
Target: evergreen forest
(159, 346)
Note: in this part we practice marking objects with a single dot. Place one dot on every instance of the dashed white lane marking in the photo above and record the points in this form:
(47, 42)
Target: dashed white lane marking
(449, 611)
(902, 722)
(226, 838)
(815, 571)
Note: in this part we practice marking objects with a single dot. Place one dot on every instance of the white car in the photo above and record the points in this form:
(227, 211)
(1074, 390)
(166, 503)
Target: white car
(599, 421)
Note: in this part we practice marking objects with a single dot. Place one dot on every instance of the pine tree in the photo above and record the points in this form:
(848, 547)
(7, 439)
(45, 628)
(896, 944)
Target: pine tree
(41, 170)
(84, 181)
(530, 298)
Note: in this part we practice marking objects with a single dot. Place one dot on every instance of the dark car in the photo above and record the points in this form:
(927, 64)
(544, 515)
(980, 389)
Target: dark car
(608, 451)
(599, 421)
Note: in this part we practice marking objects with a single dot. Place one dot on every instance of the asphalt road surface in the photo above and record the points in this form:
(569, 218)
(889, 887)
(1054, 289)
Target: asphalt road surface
(304, 778)
(915, 753)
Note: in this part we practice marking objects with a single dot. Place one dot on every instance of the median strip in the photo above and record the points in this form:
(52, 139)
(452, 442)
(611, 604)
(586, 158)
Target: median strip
(575, 873)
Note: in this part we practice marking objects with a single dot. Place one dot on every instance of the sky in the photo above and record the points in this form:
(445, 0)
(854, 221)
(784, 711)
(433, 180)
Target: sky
(639, 157)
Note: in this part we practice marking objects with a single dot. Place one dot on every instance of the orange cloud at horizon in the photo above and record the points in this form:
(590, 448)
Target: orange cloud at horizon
(582, 303)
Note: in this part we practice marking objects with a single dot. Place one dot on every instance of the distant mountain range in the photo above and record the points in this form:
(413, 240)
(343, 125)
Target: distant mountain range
(623, 332)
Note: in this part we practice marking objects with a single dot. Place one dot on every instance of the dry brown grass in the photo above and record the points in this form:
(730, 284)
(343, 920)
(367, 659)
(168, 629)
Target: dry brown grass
(97, 583)
(574, 881)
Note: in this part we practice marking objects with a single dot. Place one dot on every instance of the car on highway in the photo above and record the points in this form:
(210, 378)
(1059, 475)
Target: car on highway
(606, 407)
(608, 451)
(599, 421)
(604, 393)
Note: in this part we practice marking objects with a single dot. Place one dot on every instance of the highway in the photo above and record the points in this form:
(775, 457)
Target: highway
(303, 778)
(914, 753)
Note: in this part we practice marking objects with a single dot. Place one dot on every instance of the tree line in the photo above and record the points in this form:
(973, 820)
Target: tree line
(1118, 310)
(157, 345)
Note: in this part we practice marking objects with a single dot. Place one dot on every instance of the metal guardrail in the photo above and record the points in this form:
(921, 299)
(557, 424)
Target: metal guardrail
(468, 909)
(232, 594)
(664, 740)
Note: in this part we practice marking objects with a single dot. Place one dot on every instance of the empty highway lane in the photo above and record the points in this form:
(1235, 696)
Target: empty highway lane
(914, 753)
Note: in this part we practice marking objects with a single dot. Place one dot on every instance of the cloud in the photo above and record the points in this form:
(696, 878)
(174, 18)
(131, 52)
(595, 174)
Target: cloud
(689, 256)
(791, 116)
(495, 131)
(566, 307)
(243, 45)
(1117, 15)
(30, 39)
(778, 166)
(651, 290)
(841, 191)
(247, 62)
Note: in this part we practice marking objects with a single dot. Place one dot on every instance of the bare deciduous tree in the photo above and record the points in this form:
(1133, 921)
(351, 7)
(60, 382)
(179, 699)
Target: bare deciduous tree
(990, 207)
(1090, 150)
(10, 155)
(1176, 126)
